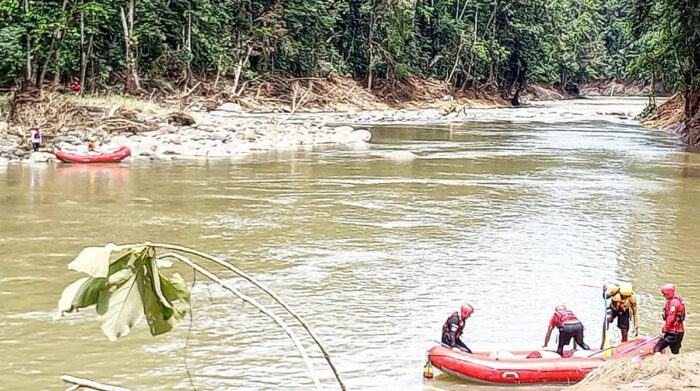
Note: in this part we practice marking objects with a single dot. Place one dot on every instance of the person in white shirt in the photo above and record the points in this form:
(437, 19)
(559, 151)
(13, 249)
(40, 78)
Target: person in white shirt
(36, 138)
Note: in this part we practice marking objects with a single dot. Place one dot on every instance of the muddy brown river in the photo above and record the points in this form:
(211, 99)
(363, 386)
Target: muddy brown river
(515, 211)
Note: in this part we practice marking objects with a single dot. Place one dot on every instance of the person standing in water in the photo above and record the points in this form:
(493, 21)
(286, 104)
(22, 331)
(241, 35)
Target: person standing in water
(454, 326)
(674, 316)
(569, 327)
(623, 301)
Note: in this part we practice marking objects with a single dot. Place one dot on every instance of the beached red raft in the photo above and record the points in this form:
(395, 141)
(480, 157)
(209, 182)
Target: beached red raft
(87, 157)
(528, 367)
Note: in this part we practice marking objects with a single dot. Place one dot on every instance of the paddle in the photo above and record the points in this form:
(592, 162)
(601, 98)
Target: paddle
(635, 346)
(605, 343)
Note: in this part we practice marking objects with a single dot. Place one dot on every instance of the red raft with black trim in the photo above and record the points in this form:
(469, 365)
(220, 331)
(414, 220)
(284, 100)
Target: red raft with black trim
(86, 157)
(531, 367)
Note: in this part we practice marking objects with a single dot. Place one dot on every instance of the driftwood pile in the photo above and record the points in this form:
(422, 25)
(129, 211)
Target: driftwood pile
(54, 112)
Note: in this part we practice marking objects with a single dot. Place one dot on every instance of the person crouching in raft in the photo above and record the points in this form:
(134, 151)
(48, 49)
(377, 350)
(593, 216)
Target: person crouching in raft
(674, 315)
(622, 302)
(569, 327)
(453, 327)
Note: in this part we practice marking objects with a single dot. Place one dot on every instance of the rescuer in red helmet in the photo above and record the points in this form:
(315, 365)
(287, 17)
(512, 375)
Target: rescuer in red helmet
(453, 327)
(674, 315)
(569, 327)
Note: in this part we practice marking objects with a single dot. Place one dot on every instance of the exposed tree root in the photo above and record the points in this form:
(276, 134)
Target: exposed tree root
(679, 115)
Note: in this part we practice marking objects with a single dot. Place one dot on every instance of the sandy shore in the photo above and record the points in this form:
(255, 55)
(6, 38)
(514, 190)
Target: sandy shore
(660, 372)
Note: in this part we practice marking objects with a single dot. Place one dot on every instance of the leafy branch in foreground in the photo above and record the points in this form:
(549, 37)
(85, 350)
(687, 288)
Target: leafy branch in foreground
(130, 285)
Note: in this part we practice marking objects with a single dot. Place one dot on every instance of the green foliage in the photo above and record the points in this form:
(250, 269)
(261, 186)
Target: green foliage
(670, 44)
(11, 54)
(126, 289)
(507, 42)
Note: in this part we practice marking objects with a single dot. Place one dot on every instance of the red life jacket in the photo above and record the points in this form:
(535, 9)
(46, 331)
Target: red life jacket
(562, 317)
(674, 315)
(446, 328)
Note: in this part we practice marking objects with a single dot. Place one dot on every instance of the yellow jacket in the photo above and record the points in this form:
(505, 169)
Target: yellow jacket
(622, 304)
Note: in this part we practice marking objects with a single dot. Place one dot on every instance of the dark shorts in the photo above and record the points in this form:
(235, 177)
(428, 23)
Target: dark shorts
(569, 331)
(671, 339)
(623, 318)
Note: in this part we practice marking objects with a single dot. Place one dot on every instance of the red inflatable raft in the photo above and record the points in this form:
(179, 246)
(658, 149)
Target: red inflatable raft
(86, 157)
(527, 367)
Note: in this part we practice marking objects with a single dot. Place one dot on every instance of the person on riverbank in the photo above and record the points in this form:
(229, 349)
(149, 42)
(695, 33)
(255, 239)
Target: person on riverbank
(91, 145)
(75, 86)
(622, 302)
(674, 316)
(36, 138)
(454, 326)
(569, 327)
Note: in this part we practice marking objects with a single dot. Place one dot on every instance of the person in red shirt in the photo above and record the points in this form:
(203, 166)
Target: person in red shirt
(674, 316)
(453, 327)
(75, 86)
(569, 327)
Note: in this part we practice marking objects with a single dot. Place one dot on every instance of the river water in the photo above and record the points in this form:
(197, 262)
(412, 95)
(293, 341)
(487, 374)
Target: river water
(515, 211)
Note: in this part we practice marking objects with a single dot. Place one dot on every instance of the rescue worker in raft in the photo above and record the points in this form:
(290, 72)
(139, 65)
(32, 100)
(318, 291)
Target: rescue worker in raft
(622, 302)
(674, 316)
(453, 327)
(569, 327)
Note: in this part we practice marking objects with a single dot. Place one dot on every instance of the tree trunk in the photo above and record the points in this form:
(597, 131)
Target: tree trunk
(57, 68)
(218, 72)
(462, 41)
(83, 59)
(652, 89)
(371, 52)
(29, 46)
(87, 60)
(187, 37)
(57, 34)
(132, 77)
(239, 70)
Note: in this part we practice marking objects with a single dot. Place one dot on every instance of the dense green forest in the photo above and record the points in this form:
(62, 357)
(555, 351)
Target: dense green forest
(505, 43)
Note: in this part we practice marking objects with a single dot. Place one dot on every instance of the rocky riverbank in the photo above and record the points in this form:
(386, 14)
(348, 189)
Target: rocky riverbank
(228, 131)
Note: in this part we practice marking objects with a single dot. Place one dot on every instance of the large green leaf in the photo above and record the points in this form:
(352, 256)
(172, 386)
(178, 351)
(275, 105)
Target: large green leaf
(159, 318)
(89, 292)
(93, 260)
(152, 265)
(120, 263)
(65, 303)
(120, 307)
(81, 293)
(174, 291)
(119, 277)
(85, 291)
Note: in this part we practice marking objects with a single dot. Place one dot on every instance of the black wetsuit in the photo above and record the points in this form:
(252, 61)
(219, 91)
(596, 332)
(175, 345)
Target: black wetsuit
(452, 331)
